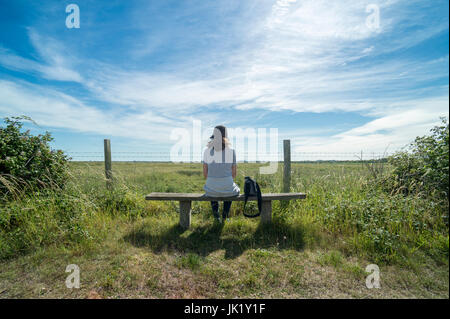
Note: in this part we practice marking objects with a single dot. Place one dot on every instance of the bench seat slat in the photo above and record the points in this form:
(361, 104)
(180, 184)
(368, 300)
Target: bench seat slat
(202, 197)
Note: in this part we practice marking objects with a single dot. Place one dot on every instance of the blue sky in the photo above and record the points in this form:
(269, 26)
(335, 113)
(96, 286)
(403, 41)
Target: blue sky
(313, 69)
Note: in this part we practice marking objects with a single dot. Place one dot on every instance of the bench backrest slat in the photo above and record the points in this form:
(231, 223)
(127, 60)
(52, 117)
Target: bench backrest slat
(203, 197)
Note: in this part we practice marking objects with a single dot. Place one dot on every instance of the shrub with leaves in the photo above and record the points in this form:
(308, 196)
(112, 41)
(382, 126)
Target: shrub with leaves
(423, 168)
(27, 160)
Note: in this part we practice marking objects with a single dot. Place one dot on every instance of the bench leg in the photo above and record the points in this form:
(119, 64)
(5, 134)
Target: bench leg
(266, 211)
(185, 214)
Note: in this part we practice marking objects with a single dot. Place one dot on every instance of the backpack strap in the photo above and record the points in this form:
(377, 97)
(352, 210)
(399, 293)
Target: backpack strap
(246, 191)
(259, 196)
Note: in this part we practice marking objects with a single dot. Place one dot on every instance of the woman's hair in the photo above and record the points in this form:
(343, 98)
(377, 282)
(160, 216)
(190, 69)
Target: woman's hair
(216, 142)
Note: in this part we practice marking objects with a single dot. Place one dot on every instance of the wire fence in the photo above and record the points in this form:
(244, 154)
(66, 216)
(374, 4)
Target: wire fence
(241, 157)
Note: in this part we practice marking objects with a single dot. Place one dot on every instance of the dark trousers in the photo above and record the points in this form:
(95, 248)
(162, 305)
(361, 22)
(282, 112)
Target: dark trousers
(226, 208)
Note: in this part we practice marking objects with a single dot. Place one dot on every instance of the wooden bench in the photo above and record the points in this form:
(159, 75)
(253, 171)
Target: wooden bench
(186, 199)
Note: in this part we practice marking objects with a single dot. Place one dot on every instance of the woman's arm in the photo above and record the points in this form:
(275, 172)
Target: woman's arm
(205, 170)
(234, 166)
(233, 170)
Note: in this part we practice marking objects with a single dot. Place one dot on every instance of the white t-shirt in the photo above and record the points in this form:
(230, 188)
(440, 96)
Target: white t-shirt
(219, 162)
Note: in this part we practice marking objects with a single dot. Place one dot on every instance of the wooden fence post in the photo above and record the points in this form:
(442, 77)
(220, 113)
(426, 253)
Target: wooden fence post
(108, 166)
(287, 166)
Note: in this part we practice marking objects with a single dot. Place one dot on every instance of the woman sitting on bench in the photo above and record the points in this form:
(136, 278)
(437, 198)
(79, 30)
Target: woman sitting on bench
(219, 169)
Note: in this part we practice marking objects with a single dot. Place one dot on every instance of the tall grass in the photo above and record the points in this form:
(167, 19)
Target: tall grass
(342, 209)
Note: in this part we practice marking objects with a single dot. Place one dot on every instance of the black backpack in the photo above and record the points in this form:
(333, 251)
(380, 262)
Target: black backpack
(251, 188)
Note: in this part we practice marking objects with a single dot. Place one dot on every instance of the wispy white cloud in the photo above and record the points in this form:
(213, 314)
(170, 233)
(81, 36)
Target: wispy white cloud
(56, 63)
(394, 130)
(51, 108)
(303, 62)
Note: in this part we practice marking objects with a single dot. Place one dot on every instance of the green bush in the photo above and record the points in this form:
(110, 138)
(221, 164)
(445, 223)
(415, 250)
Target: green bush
(423, 169)
(27, 160)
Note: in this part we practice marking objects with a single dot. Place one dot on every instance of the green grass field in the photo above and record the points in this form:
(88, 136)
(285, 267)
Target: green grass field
(127, 247)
